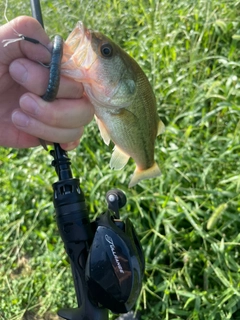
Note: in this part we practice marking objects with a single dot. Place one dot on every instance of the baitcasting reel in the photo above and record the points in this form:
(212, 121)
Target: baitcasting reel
(115, 263)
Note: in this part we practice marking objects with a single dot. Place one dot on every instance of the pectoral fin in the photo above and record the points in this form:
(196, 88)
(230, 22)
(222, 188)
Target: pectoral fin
(118, 159)
(103, 131)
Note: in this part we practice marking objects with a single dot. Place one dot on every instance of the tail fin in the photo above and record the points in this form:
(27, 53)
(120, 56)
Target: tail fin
(139, 175)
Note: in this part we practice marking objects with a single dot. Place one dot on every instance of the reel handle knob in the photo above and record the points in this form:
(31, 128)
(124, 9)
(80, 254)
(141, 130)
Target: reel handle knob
(116, 200)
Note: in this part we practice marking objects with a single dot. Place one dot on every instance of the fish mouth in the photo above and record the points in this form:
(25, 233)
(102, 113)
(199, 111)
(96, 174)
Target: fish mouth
(78, 41)
(83, 36)
(84, 32)
(81, 43)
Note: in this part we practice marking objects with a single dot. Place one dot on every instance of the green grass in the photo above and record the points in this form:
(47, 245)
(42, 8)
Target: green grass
(188, 219)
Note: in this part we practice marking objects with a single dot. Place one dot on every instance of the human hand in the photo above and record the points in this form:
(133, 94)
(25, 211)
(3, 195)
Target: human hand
(24, 116)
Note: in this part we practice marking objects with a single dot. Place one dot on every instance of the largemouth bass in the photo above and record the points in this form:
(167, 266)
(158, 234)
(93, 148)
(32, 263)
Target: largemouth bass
(124, 103)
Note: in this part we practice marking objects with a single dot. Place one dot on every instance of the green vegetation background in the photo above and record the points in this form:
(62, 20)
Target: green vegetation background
(188, 219)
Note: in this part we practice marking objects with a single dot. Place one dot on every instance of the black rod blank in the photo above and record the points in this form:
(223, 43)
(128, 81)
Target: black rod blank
(36, 11)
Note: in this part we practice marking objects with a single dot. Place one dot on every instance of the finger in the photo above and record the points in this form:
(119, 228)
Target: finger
(28, 27)
(70, 146)
(34, 78)
(62, 113)
(38, 129)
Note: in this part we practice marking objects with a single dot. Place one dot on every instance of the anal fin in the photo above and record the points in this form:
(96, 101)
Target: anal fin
(118, 159)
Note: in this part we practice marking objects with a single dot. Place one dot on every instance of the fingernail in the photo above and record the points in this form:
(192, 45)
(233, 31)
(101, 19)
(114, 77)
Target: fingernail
(28, 104)
(18, 72)
(20, 119)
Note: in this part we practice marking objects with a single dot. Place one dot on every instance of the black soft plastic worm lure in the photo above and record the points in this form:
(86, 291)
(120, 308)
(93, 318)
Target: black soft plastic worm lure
(55, 70)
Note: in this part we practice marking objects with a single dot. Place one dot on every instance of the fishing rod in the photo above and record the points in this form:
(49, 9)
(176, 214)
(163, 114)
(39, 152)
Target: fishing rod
(106, 256)
(36, 11)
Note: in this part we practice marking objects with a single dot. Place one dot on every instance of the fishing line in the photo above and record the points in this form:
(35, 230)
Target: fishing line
(6, 18)
(19, 35)
(22, 37)
(5, 11)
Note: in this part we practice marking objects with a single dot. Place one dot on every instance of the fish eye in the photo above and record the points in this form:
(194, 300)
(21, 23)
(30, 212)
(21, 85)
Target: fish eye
(106, 50)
